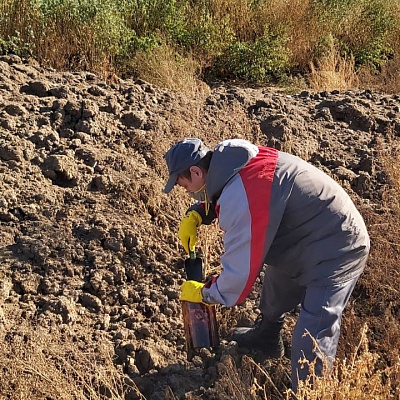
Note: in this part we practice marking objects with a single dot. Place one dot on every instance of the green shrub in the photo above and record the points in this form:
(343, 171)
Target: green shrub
(265, 58)
(101, 21)
(205, 35)
(361, 28)
(18, 26)
(376, 49)
(146, 17)
(15, 45)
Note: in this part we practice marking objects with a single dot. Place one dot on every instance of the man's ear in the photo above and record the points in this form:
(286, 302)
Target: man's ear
(194, 169)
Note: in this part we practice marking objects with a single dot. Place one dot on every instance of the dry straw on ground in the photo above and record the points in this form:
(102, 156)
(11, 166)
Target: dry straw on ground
(37, 365)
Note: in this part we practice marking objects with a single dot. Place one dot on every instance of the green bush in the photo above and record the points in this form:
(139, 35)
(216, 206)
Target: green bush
(18, 22)
(362, 28)
(265, 58)
(15, 45)
(103, 18)
(205, 35)
(376, 49)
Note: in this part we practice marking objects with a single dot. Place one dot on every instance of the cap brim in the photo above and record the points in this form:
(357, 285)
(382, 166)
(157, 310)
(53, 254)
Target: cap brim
(170, 183)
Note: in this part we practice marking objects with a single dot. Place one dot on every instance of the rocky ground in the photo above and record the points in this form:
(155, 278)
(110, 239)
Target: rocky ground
(88, 240)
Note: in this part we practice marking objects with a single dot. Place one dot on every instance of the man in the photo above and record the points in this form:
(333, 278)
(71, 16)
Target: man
(277, 209)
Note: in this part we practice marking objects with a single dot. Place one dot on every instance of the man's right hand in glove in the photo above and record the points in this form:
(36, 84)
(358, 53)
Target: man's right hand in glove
(191, 291)
(188, 230)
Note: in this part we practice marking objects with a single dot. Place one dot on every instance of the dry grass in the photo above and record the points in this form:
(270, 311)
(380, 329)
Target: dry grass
(241, 17)
(248, 20)
(100, 40)
(387, 80)
(37, 364)
(249, 381)
(62, 41)
(356, 377)
(166, 68)
(353, 378)
(333, 72)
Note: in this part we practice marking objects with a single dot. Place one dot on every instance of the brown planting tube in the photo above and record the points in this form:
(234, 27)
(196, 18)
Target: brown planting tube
(199, 319)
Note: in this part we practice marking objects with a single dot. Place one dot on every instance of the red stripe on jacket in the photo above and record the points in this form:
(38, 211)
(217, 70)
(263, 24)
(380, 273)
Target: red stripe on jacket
(257, 177)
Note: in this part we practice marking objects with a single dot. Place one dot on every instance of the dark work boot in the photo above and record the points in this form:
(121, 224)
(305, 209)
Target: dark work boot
(265, 337)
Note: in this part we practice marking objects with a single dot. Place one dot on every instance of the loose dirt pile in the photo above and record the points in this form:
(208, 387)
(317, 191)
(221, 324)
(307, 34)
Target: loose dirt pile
(88, 242)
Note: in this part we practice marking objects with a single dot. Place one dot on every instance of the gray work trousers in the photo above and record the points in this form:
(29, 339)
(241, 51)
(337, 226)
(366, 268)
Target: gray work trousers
(320, 315)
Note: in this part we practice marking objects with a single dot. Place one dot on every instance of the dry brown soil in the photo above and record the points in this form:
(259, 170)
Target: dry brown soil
(88, 243)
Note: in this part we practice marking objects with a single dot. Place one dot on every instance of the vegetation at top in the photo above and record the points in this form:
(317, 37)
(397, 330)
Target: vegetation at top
(249, 40)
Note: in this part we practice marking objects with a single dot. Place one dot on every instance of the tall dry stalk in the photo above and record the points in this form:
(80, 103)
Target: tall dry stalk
(166, 68)
(333, 72)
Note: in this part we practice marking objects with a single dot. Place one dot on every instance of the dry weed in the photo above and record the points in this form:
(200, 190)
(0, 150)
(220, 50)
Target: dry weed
(333, 72)
(38, 364)
(354, 378)
(358, 377)
(166, 68)
(236, 383)
(387, 80)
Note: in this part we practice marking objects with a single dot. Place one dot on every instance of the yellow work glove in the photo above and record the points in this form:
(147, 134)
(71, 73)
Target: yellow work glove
(188, 230)
(191, 291)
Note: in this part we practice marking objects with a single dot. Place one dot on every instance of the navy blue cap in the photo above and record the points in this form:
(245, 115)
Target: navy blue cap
(181, 157)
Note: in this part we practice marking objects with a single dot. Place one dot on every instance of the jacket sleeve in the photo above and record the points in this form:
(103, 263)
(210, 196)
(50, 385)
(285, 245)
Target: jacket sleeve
(245, 217)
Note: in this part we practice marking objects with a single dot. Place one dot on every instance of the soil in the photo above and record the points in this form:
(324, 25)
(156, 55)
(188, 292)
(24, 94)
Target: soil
(88, 241)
